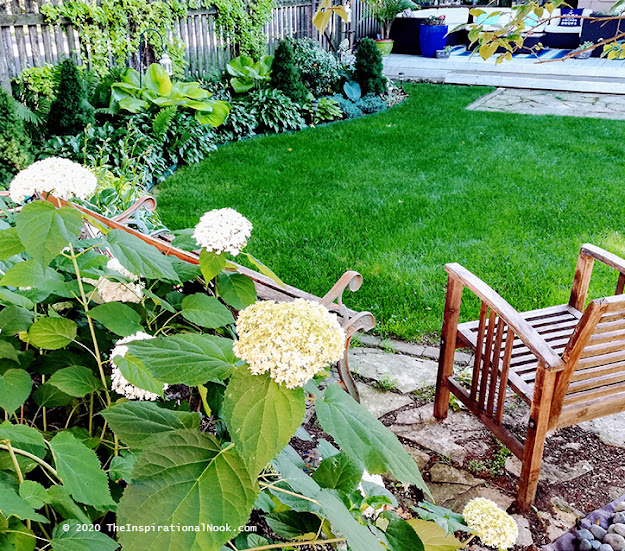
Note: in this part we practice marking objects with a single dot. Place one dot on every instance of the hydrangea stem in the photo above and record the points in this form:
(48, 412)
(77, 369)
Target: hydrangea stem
(295, 544)
(36, 459)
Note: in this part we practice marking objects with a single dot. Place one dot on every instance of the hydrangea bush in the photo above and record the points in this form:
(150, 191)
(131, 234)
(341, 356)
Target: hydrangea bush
(144, 392)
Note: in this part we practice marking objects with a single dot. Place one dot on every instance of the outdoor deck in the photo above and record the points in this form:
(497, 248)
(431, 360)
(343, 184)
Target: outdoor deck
(546, 72)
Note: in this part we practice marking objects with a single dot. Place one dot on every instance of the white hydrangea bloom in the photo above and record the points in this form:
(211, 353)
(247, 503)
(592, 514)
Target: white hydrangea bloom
(491, 523)
(63, 178)
(223, 230)
(292, 340)
(115, 291)
(118, 382)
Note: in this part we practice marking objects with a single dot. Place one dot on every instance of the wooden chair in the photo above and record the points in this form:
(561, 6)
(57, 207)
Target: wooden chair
(266, 288)
(566, 362)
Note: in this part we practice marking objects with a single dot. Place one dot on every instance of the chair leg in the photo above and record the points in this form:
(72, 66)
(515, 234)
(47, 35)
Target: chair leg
(540, 412)
(448, 346)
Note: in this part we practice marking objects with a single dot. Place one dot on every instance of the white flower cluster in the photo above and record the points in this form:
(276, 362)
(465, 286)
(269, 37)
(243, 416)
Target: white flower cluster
(223, 230)
(491, 523)
(119, 383)
(114, 291)
(63, 178)
(292, 340)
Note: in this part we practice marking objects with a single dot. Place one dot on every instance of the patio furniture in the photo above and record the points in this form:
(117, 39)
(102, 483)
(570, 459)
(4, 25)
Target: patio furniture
(406, 30)
(566, 362)
(559, 34)
(266, 288)
(595, 30)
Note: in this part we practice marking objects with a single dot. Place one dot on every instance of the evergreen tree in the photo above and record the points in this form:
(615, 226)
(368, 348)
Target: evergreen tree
(286, 76)
(368, 70)
(15, 146)
(70, 111)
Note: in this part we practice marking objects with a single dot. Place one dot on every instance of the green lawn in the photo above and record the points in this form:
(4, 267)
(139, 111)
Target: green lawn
(397, 195)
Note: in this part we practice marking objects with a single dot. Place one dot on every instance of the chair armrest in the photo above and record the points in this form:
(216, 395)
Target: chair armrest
(522, 329)
(608, 258)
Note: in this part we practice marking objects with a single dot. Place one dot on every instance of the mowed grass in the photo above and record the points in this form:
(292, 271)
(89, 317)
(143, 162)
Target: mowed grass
(397, 195)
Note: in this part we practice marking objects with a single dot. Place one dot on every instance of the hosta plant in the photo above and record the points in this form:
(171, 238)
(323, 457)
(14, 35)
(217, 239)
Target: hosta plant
(156, 91)
(142, 409)
(246, 73)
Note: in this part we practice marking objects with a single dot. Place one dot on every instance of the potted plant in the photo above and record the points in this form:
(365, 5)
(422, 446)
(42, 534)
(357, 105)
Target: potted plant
(432, 35)
(585, 50)
(444, 53)
(385, 12)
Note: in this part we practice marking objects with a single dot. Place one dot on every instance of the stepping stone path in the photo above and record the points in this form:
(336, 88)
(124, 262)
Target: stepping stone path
(548, 102)
(408, 372)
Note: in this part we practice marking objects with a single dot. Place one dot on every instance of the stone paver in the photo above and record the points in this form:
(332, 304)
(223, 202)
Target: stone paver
(547, 102)
(405, 373)
(610, 429)
(379, 402)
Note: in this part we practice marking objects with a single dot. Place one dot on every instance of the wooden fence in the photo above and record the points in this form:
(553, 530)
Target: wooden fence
(27, 40)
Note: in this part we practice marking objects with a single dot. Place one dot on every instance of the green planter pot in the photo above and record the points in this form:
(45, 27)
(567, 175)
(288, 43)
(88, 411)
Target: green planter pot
(385, 46)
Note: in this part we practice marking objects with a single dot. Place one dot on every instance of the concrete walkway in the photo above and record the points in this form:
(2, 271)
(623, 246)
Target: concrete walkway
(595, 75)
(547, 102)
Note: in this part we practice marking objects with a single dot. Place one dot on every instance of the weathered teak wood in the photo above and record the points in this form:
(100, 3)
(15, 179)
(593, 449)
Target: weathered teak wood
(566, 361)
(266, 288)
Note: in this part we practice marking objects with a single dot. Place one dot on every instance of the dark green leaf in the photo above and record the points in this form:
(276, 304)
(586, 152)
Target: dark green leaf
(8, 352)
(80, 470)
(188, 359)
(68, 536)
(184, 240)
(50, 396)
(75, 380)
(261, 415)
(10, 244)
(135, 372)
(185, 478)
(139, 257)
(11, 504)
(14, 319)
(45, 230)
(237, 290)
(119, 318)
(121, 466)
(206, 311)
(291, 524)
(33, 493)
(359, 538)
(136, 422)
(15, 387)
(211, 264)
(9, 297)
(338, 472)
(400, 535)
(65, 506)
(24, 437)
(52, 333)
(32, 273)
(365, 439)
(448, 520)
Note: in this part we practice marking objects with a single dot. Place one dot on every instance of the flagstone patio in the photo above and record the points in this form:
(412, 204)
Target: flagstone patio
(396, 381)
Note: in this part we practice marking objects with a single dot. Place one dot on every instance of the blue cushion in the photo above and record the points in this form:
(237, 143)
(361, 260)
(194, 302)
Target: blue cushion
(570, 21)
(531, 20)
(488, 19)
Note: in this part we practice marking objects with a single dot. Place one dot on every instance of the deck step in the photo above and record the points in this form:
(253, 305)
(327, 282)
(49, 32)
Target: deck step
(600, 85)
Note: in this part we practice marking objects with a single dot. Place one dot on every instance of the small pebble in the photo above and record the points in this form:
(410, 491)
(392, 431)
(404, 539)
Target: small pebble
(619, 517)
(598, 532)
(618, 528)
(584, 534)
(605, 547)
(585, 545)
(595, 544)
(616, 541)
(620, 507)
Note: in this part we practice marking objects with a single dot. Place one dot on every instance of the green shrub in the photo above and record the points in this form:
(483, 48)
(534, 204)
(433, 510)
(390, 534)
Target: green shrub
(70, 111)
(371, 104)
(276, 112)
(35, 87)
(320, 69)
(241, 123)
(101, 96)
(15, 145)
(368, 70)
(349, 108)
(285, 75)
